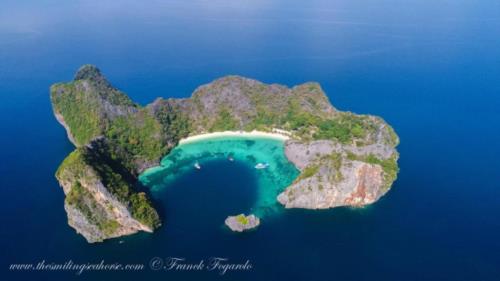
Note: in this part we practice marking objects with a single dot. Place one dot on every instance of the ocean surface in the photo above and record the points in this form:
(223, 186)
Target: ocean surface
(268, 180)
(429, 68)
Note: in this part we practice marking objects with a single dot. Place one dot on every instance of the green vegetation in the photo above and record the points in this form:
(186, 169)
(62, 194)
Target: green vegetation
(87, 165)
(137, 202)
(82, 107)
(175, 124)
(109, 226)
(389, 166)
(263, 120)
(142, 210)
(345, 128)
(308, 172)
(295, 117)
(72, 165)
(134, 137)
(303, 114)
(76, 195)
(113, 181)
(81, 113)
(101, 86)
(305, 111)
(224, 121)
(394, 139)
(82, 200)
(242, 219)
(334, 161)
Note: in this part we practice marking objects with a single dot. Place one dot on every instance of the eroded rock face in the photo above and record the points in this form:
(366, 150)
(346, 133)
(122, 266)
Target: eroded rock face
(242, 223)
(91, 209)
(335, 174)
(302, 154)
(245, 99)
(354, 184)
(112, 211)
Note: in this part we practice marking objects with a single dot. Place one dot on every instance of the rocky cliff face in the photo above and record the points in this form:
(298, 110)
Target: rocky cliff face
(87, 106)
(335, 174)
(238, 103)
(92, 208)
(115, 140)
(332, 178)
(344, 158)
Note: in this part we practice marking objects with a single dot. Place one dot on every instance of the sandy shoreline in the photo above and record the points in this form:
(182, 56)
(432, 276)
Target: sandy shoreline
(259, 134)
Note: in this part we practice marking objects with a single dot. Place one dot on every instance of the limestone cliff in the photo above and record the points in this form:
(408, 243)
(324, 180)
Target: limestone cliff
(87, 106)
(334, 174)
(116, 140)
(99, 203)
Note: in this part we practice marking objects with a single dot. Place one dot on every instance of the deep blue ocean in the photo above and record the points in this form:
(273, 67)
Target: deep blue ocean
(431, 68)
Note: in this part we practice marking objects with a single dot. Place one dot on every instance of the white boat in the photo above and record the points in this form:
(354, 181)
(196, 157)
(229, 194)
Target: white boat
(261, 166)
(197, 165)
(230, 158)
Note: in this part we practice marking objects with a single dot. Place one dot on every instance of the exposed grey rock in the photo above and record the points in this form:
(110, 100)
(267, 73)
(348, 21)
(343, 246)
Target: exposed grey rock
(359, 184)
(244, 97)
(338, 181)
(301, 154)
(78, 221)
(109, 109)
(61, 121)
(97, 214)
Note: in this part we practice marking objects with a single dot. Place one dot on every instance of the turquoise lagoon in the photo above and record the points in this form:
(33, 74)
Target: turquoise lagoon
(246, 151)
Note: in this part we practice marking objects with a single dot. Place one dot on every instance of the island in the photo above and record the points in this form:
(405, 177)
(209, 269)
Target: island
(344, 159)
(242, 223)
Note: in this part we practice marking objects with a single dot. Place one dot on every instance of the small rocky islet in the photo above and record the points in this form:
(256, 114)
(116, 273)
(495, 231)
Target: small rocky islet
(344, 159)
(242, 223)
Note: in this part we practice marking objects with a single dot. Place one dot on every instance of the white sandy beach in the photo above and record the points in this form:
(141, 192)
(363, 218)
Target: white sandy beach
(281, 135)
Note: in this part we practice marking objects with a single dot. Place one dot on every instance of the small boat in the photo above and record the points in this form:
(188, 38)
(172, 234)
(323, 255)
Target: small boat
(230, 158)
(121, 241)
(197, 165)
(261, 166)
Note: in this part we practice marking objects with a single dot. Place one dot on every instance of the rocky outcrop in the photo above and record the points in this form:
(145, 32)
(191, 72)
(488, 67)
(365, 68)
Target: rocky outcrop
(242, 223)
(87, 106)
(355, 183)
(92, 209)
(245, 100)
(116, 140)
(110, 218)
(335, 174)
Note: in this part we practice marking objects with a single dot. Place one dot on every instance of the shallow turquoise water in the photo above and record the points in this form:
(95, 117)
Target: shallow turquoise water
(248, 151)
